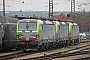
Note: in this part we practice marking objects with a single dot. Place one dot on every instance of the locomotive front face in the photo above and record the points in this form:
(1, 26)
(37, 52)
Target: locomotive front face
(27, 31)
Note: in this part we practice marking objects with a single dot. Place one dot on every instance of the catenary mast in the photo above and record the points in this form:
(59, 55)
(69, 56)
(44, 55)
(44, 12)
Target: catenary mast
(51, 9)
(73, 10)
(3, 7)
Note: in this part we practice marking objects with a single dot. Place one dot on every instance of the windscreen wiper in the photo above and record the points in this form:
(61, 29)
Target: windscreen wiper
(27, 27)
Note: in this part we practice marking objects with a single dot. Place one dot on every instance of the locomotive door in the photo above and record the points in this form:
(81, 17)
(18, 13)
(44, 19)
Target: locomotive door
(0, 36)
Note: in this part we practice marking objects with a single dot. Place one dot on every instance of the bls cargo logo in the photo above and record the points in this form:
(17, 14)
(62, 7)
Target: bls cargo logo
(33, 35)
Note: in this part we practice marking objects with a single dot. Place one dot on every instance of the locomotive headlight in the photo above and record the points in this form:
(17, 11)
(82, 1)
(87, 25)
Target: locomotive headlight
(27, 21)
(17, 37)
(23, 42)
(37, 38)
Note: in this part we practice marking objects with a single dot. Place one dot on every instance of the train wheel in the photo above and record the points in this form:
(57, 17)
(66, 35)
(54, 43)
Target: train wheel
(58, 45)
(42, 47)
(47, 46)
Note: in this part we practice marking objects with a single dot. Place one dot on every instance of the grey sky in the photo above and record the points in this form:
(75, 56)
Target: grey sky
(42, 5)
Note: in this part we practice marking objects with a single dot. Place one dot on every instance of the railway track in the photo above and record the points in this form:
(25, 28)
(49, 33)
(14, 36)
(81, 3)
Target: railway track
(4, 56)
(51, 56)
(68, 53)
(87, 58)
(15, 55)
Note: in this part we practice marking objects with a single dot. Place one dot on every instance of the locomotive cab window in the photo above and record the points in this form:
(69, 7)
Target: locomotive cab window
(32, 25)
(22, 26)
(27, 26)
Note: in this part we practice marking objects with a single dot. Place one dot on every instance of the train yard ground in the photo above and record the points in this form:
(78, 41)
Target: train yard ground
(76, 52)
